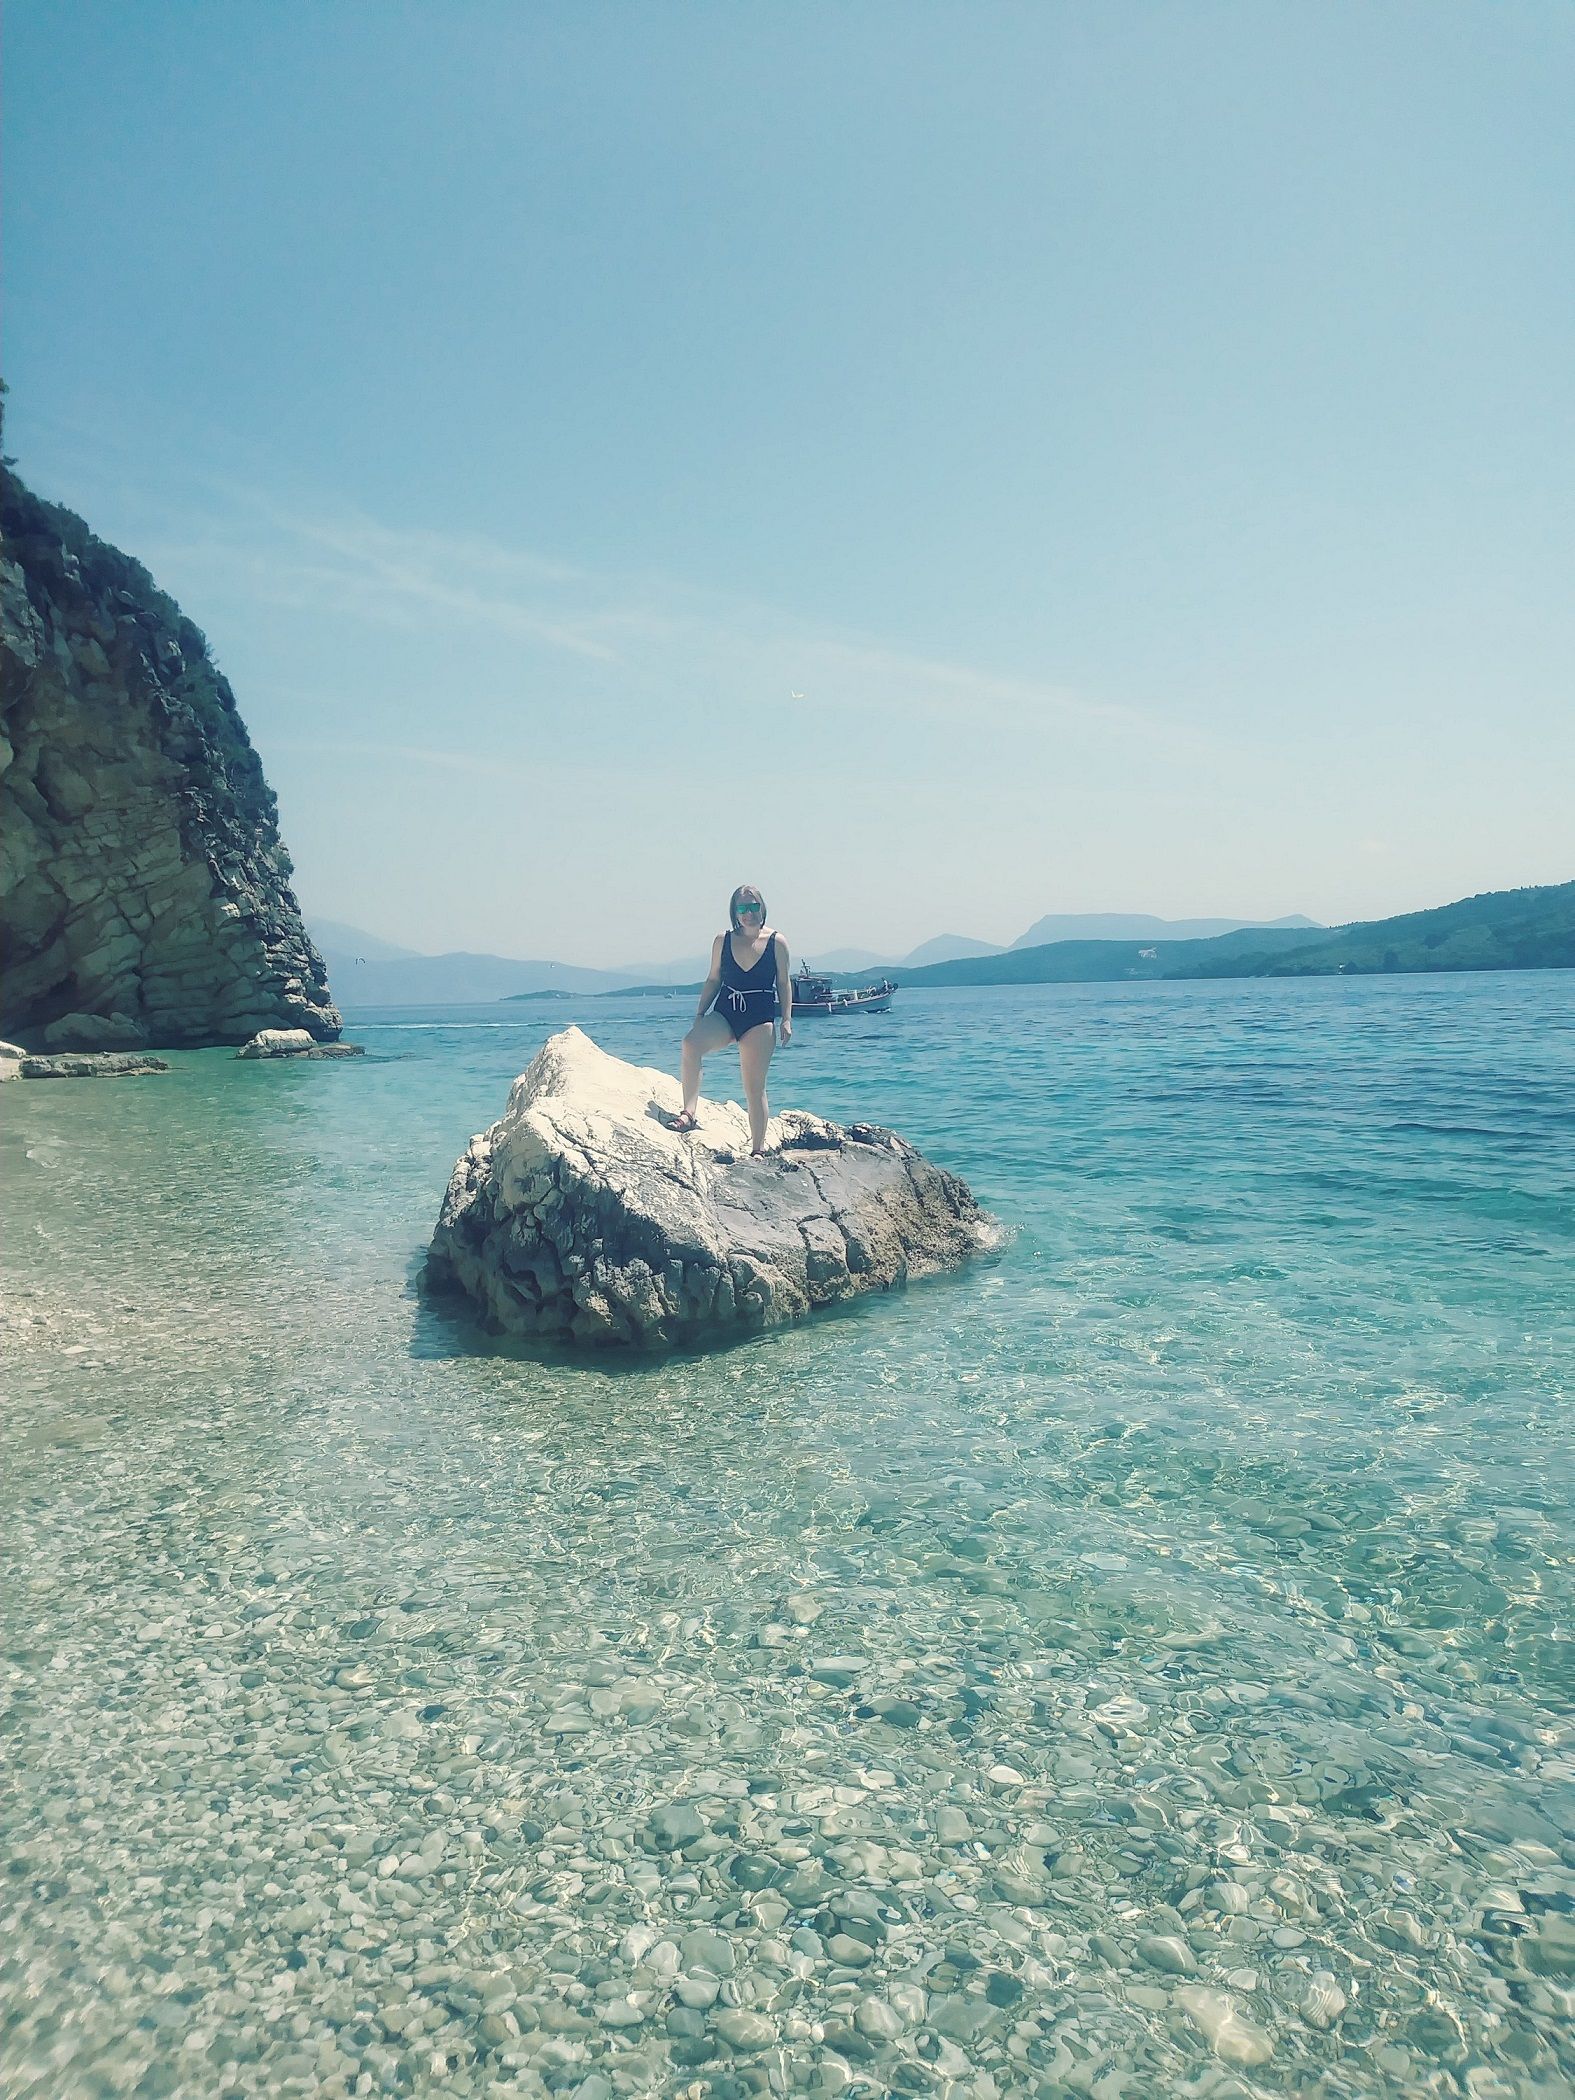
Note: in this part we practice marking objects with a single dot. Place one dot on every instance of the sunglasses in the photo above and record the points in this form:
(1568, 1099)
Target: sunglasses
(751, 911)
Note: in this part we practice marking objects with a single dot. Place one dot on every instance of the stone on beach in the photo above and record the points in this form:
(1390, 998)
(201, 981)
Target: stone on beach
(581, 1217)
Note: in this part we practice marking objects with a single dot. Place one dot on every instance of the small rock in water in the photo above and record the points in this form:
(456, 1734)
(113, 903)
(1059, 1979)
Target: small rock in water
(1165, 1951)
(753, 1871)
(1324, 2002)
(1231, 2036)
(1550, 1951)
(708, 1951)
(839, 1670)
(745, 2031)
(1150, 1996)
(852, 1953)
(677, 1825)
(877, 2020)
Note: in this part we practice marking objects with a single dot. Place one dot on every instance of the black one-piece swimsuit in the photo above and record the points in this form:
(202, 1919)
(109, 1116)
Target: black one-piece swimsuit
(747, 997)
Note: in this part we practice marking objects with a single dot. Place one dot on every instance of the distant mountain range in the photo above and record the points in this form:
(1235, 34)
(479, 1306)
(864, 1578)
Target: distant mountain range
(1528, 929)
(334, 938)
(1137, 926)
(360, 978)
(1523, 929)
(366, 970)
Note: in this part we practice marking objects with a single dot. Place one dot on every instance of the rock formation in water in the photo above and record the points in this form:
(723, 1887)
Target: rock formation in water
(582, 1218)
(290, 1045)
(146, 893)
(93, 1064)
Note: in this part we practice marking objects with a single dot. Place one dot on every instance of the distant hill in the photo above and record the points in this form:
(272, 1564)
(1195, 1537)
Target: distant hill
(946, 947)
(457, 980)
(365, 970)
(841, 959)
(1094, 962)
(1137, 926)
(688, 969)
(941, 949)
(1501, 930)
(1530, 929)
(335, 939)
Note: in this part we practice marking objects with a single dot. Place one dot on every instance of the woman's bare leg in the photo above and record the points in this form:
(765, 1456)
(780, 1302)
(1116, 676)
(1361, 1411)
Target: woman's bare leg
(754, 1059)
(709, 1033)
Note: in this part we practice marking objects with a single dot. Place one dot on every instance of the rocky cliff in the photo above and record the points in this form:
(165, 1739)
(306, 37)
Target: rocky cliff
(144, 890)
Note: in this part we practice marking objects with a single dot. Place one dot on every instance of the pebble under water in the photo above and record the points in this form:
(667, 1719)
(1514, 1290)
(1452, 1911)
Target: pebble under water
(1135, 1666)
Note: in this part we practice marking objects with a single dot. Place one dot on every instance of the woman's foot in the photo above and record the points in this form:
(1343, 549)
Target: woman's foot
(686, 1119)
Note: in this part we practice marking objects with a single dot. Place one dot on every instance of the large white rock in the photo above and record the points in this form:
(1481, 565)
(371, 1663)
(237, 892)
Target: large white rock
(582, 1217)
(277, 1042)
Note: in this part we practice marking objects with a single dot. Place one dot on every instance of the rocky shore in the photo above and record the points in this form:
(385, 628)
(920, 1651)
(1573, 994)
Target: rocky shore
(582, 1218)
(147, 895)
(93, 1064)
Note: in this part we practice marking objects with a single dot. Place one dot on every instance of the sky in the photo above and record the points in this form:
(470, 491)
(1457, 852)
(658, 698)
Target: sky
(942, 464)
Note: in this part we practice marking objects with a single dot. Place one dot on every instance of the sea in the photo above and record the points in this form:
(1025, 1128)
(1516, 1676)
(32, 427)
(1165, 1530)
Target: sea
(1135, 1665)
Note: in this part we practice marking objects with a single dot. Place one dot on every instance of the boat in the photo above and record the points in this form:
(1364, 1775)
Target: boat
(816, 995)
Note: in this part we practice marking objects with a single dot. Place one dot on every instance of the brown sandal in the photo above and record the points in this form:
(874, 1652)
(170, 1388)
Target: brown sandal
(685, 1120)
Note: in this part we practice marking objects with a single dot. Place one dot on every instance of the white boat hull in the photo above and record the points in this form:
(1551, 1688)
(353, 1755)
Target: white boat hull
(848, 1005)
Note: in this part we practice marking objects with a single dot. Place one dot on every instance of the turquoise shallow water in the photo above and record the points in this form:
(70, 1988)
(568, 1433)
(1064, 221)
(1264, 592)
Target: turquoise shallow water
(1137, 1665)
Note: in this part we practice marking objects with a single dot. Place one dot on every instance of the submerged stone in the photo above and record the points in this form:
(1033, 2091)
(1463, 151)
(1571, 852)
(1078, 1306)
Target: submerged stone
(1226, 2029)
(675, 1825)
(581, 1217)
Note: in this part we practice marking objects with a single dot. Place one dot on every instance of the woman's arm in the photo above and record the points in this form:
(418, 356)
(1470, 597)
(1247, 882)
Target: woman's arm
(713, 983)
(784, 993)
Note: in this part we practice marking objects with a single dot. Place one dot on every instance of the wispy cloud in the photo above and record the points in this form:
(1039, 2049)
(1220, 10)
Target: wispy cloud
(668, 639)
(393, 579)
(660, 630)
(395, 573)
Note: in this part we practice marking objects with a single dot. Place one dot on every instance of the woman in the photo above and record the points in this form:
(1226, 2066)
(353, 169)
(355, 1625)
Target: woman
(747, 995)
